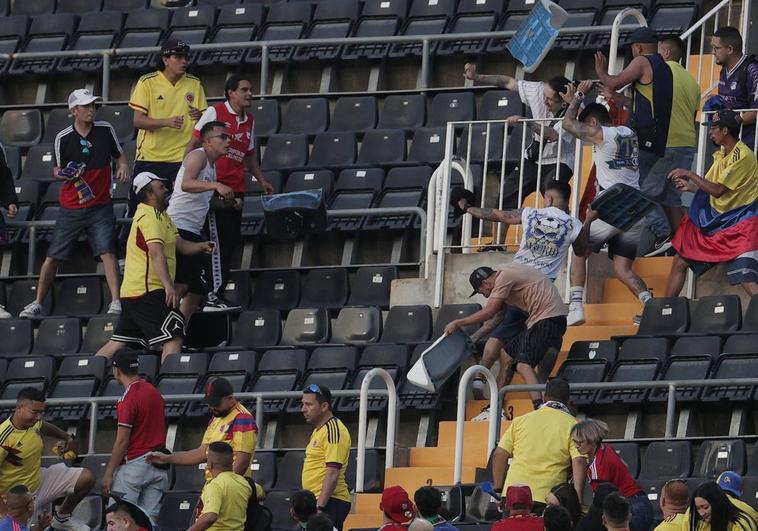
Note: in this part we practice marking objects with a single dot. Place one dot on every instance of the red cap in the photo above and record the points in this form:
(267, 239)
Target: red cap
(520, 495)
(397, 505)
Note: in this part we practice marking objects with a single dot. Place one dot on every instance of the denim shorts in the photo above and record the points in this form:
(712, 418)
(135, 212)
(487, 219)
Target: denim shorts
(97, 222)
(142, 484)
(654, 174)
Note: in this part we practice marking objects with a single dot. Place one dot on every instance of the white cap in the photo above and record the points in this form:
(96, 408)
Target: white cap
(143, 179)
(81, 97)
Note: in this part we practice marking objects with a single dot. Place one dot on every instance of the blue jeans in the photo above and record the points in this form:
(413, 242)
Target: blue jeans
(642, 513)
(97, 222)
(142, 484)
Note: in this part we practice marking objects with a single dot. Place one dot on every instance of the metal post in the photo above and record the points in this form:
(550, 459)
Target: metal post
(520, 180)
(575, 202)
(264, 69)
(389, 458)
(441, 216)
(259, 411)
(425, 64)
(106, 77)
(616, 30)
(461, 416)
(32, 250)
(670, 411)
(502, 183)
(92, 427)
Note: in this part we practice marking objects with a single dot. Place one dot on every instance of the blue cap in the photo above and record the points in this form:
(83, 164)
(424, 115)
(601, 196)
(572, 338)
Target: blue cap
(730, 482)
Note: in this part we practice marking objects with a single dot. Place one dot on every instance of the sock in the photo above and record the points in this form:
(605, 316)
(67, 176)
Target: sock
(62, 517)
(537, 403)
(576, 294)
(645, 296)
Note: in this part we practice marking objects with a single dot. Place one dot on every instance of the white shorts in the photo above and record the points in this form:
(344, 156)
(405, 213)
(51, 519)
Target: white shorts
(622, 243)
(56, 481)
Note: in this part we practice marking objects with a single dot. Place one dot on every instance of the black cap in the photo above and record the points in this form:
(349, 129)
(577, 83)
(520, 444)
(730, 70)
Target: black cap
(174, 47)
(125, 359)
(216, 389)
(724, 118)
(643, 35)
(479, 275)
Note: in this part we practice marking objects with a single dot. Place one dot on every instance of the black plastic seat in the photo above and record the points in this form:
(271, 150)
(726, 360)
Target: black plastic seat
(274, 178)
(450, 312)
(408, 324)
(404, 187)
(279, 502)
(78, 7)
(181, 374)
(305, 116)
(237, 289)
(124, 5)
(333, 358)
(12, 34)
(78, 297)
(576, 18)
(606, 17)
(78, 376)
(499, 105)
(629, 371)
(482, 147)
(355, 189)
(289, 470)
(266, 113)
(258, 329)
(331, 20)
(121, 118)
(750, 321)
(382, 147)
(278, 290)
(47, 33)
(406, 111)
(310, 180)
(58, 336)
(715, 457)
(279, 370)
(583, 371)
(370, 286)
(594, 350)
(252, 216)
(472, 16)
(327, 288)
(373, 478)
(333, 150)
(285, 151)
(13, 160)
(28, 193)
(428, 145)
(22, 128)
(57, 120)
(644, 348)
(192, 25)
(425, 18)
(741, 344)
(665, 315)
(716, 314)
(41, 7)
(671, 19)
(666, 459)
(234, 24)
(264, 469)
(306, 327)
(283, 22)
(698, 346)
(451, 107)
(683, 368)
(375, 404)
(360, 179)
(30, 371)
(18, 336)
(142, 28)
(96, 31)
(358, 325)
(22, 292)
(514, 18)
(96, 463)
(99, 330)
(354, 113)
(379, 18)
(177, 510)
(188, 478)
(732, 366)
(629, 452)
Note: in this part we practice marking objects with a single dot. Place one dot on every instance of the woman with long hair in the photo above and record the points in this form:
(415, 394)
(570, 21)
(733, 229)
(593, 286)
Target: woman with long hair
(710, 509)
(565, 496)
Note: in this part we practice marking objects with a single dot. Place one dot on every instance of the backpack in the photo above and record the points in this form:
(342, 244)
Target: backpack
(259, 517)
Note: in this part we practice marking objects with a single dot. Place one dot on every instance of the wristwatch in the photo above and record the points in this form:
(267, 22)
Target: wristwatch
(322, 509)
(579, 95)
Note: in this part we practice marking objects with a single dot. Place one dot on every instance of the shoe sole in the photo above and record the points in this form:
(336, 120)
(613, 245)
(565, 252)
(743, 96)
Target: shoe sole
(661, 250)
(576, 323)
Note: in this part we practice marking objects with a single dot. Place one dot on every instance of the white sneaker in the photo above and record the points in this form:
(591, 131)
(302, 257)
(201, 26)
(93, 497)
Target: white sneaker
(69, 524)
(115, 307)
(480, 388)
(33, 309)
(575, 316)
(217, 304)
(485, 415)
(4, 314)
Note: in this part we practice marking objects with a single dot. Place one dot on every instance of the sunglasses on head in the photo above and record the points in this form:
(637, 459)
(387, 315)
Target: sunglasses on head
(313, 388)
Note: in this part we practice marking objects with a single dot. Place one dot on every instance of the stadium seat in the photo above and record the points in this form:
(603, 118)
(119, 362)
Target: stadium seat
(732, 366)
(12, 34)
(124, 5)
(333, 150)
(13, 160)
(90, 511)
(582, 16)
(416, 398)
(47, 33)
(96, 31)
(96, 463)
(576, 371)
(482, 150)
(181, 374)
(499, 105)
(277, 290)
(750, 321)
(629, 452)
(21, 128)
(274, 178)
(331, 20)
(78, 7)
(716, 314)
(666, 459)
(382, 147)
(306, 327)
(472, 16)
(78, 376)
(406, 111)
(144, 27)
(327, 288)
(22, 292)
(665, 316)
(279, 370)
(428, 145)
(404, 187)
(258, 329)
(18, 337)
(407, 324)
(283, 22)
(252, 216)
(379, 18)
(355, 189)
(36, 8)
(238, 367)
(78, 297)
(426, 17)
(177, 510)
(715, 457)
(592, 350)
(370, 286)
(392, 358)
(121, 118)
(264, 469)
(266, 113)
(672, 19)
(683, 368)
(305, 116)
(30, 371)
(373, 478)
(689, 346)
(633, 370)
(310, 180)
(450, 312)
(58, 336)
(284, 152)
(237, 289)
(28, 193)
(354, 114)
(741, 344)
(99, 330)
(289, 471)
(279, 503)
(192, 25)
(639, 348)
(451, 107)
(234, 24)
(515, 17)
(188, 478)
(57, 121)
(358, 325)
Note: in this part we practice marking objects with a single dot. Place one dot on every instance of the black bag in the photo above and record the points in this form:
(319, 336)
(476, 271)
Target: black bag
(292, 215)
(259, 517)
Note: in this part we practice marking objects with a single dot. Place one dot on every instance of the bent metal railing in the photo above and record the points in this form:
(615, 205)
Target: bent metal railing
(389, 457)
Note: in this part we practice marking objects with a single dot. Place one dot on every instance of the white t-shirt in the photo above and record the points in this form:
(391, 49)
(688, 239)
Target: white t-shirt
(532, 93)
(548, 234)
(188, 210)
(617, 158)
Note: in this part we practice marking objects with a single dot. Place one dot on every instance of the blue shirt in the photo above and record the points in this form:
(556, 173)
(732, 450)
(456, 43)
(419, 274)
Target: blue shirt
(738, 89)
(9, 524)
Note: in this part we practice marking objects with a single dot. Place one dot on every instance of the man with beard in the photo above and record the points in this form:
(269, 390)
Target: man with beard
(230, 170)
(231, 423)
(150, 302)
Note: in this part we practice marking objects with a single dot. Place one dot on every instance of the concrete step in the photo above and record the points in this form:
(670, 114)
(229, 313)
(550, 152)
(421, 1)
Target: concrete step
(413, 478)
(363, 521)
(367, 503)
(616, 291)
(653, 266)
(611, 313)
(442, 456)
(588, 332)
(474, 434)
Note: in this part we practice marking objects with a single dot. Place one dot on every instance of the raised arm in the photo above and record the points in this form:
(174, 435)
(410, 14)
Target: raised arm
(506, 82)
(571, 124)
(637, 70)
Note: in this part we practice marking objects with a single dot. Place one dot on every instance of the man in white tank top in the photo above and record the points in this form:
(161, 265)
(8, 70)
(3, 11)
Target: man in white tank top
(615, 153)
(193, 189)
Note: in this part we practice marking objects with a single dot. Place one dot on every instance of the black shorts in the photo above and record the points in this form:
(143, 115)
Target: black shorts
(148, 321)
(532, 344)
(192, 270)
(513, 323)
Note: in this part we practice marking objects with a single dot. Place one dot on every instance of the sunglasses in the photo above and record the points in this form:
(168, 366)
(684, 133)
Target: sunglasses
(313, 388)
(86, 145)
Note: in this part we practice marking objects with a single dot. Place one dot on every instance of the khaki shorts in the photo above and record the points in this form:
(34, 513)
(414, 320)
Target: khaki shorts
(57, 481)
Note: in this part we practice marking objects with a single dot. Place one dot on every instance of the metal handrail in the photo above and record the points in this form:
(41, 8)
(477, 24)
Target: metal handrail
(476, 370)
(389, 457)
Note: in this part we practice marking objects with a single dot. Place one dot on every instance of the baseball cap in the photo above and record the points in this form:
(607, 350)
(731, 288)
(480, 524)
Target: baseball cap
(143, 179)
(217, 389)
(643, 35)
(397, 505)
(518, 495)
(174, 47)
(724, 118)
(81, 97)
(479, 275)
(125, 359)
(731, 482)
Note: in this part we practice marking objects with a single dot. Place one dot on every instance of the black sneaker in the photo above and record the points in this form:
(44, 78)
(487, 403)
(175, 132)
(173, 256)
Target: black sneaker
(661, 246)
(217, 304)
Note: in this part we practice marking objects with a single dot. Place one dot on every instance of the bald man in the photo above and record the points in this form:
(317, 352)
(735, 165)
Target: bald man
(674, 502)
